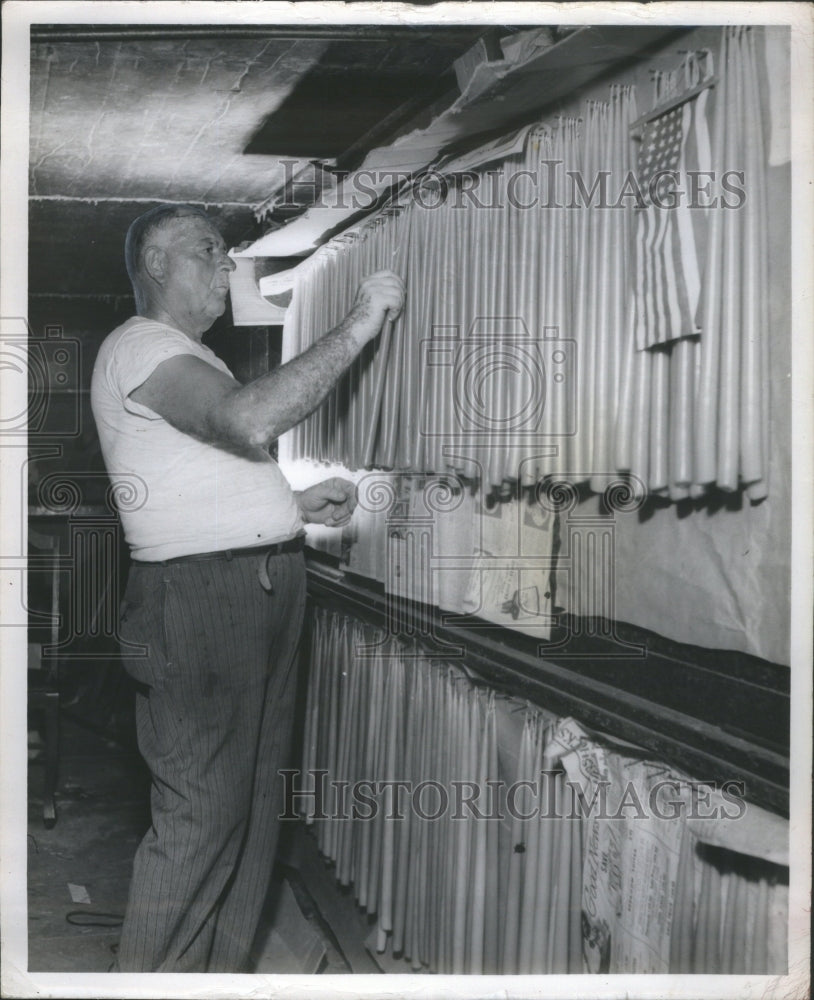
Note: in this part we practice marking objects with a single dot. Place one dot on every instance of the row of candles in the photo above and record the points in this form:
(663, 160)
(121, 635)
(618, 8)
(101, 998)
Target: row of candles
(427, 864)
(731, 913)
(506, 357)
(516, 356)
(454, 891)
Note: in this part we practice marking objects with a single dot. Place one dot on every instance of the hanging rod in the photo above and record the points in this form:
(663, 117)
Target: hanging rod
(674, 102)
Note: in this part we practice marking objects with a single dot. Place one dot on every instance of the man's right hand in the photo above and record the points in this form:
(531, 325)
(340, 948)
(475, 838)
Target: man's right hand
(380, 297)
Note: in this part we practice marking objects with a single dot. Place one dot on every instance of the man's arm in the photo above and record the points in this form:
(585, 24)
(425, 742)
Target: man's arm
(201, 401)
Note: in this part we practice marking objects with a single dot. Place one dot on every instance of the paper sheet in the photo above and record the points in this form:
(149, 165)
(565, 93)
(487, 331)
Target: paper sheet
(79, 894)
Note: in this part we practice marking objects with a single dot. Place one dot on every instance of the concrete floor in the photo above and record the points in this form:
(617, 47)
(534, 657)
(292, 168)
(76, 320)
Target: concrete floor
(103, 811)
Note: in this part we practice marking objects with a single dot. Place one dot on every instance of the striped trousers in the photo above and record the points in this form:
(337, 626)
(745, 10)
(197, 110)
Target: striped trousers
(214, 712)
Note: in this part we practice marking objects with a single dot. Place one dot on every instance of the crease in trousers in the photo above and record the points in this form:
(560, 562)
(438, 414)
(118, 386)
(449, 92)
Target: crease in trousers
(214, 711)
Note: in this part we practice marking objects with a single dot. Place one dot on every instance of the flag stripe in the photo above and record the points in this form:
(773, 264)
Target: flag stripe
(669, 232)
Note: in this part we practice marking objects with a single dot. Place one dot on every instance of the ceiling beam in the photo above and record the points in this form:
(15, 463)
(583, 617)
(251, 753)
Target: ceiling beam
(180, 32)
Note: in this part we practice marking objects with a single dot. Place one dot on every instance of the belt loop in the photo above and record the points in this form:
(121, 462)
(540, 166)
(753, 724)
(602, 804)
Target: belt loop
(230, 555)
(263, 574)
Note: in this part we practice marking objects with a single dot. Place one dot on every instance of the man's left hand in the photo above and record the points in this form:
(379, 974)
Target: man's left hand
(330, 502)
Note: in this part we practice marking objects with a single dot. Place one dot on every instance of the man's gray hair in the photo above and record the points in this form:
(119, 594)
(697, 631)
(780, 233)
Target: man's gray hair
(142, 229)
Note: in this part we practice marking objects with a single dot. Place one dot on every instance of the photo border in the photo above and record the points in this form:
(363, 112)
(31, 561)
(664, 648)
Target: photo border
(17, 16)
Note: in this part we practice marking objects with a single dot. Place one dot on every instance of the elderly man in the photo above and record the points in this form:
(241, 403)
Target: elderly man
(216, 589)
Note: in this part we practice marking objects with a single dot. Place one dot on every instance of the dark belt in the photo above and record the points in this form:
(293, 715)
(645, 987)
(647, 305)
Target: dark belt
(295, 544)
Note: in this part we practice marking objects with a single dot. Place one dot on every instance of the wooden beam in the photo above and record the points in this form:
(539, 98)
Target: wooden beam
(336, 906)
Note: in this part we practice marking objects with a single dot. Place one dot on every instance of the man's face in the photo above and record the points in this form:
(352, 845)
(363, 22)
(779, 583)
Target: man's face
(196, 280)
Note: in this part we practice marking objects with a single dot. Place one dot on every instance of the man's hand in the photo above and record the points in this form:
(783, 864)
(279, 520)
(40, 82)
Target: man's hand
(330, 502)
(380, 297)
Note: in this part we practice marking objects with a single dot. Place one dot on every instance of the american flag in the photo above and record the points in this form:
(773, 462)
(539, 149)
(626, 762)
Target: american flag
(669, 233)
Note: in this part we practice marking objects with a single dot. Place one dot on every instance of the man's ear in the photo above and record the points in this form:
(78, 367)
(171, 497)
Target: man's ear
(155, 263)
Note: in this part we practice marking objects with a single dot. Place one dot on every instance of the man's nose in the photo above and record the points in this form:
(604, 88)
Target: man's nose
(226, 262)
